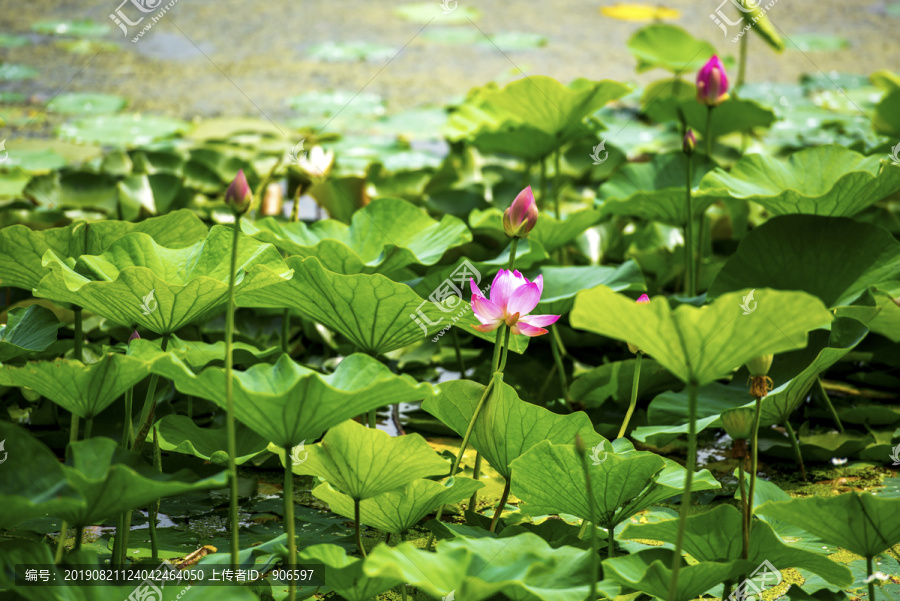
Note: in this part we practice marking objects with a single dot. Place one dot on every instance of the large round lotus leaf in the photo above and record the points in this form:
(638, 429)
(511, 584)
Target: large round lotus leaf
(531, 117)
(287, 403)
(138, 282)
(384, 236)
(835, 259)
(121, 130)
(26, 331)
(10, 72)
(85, 390)
(702, 344)
(79, 103)
(668, 47)
(364, 462)
(376, 314)
(655, 191)
(396, 511)
(868, 525)
(179, 434)
(345, 574)
(507, 426)
(825, 180)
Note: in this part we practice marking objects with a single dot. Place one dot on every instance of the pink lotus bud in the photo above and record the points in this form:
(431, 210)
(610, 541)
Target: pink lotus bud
(689, 142)
(238, 196)
(712, 83)
(642, 299)
(521, 216)
(134, 336)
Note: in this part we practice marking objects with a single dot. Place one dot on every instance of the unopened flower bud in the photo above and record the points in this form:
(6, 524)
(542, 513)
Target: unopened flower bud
(521, 216)
(238, 197)
(689, 142)
(134, 336)
(759, 366)
(712, 83)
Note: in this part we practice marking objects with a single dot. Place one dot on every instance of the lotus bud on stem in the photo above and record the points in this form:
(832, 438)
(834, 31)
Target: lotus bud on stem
(642, 300)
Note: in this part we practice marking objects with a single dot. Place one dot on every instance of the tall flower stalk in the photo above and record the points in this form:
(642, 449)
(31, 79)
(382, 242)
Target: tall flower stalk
(238, 197)
(642, 299)
(690, 284)
(690, 466)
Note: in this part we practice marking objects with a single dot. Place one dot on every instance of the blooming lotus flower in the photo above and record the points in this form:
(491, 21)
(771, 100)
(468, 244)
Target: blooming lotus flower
(712, 83)
(317, 162)
(521, 216)
(688, 144)
(642, 299)
(238, 196)
(512, 298)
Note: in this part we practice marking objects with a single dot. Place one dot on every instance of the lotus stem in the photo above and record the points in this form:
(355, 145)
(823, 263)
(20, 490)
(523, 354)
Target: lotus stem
(745, 520)
(742, 65)
(295, 208)
(556, 186)
(795, 444)
(513, 247)
(149, 402)
(869, 571)
(689, 289)
(501, 504)
(190, 407)
(88, 427)
(690, 465)
(634, 394)
(754, 456)
(403, 584)
(153, 509)
(831, 409)
(128, 426)
(229, 398)
(362, 549)
(698, 260)
(595, 558)
(285, 329)
(64, 527)
(79, 334)
(289, 524)
(543, 202)
(726, 589)
(560, 367)
(709, 112)
(476, 475)
(371, 418)
(459, 359)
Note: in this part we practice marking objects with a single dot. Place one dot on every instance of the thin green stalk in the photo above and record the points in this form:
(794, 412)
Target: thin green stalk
(459, 359)
(128, 426)
(796, 446)
(289, 524)
(149, 402)
(126, 533)
(831, 409)
(403, 584)
(745, 522)
(726, 590)
(634, 394)
(690, 465)
(476, 475)
(285, 329)
(190, 407)
(595, 558)
(295, 208)
(869, 571)
(560, 368)
(79, 334)
(88, 427)
(583, 529)
(501, 505)
(543, 202)
(362, 549)
(698, 261)
(229, 398)
(709, 110)
(689, 236)
(371, 418)
(117, 541)
(153, 509)
(64, 527)
(754, 465)
(557, 200)
(611, 542)
(513, 247)
(742, 65)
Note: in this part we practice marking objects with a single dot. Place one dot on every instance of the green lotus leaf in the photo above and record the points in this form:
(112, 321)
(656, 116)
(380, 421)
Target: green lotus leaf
(346, 576)
(507, 426)
(288, 403)
(668, 47)
(702, 344)
(733, 115)
(614, 381)
(397, 511)
(27, 330)
(561, 284)
(553, 233)
(375, 313)
(823, 180)
(833, 258)
(868, 525)
(121, 130)
(138, 281)
(179, 434)
(79, 103)
(624, 481)
(22, 249)
(198, 355)
(111, 481)
(85, 390)
(33, 482)
(649, 571)
(364, 462)
(887, 114)
(655, 190)
(716, 536)
(877, 310)
(530, 117)
(386, 235)
(523, 567)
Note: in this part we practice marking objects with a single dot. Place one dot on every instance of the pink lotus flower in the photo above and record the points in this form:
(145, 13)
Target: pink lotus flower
(642, 300)
(712, 83)
(512, 298)
(238, 195)
(521, 216)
